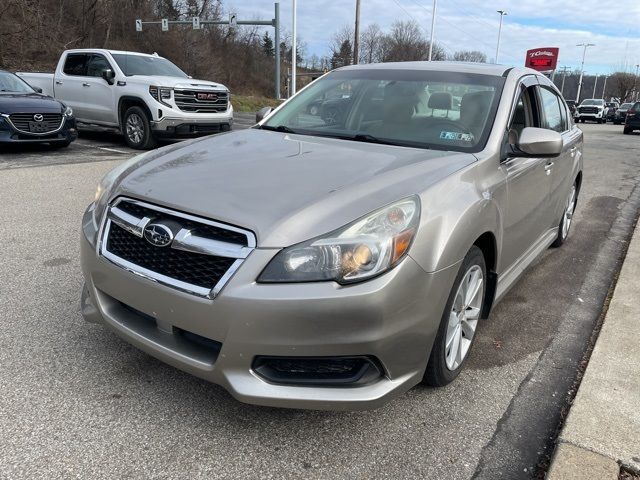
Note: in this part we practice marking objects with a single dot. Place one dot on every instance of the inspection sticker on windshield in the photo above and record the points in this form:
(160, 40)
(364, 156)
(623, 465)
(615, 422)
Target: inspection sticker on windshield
(460, 137)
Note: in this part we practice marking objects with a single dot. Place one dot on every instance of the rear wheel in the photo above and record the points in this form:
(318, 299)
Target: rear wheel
(137, 129)
(459, 321)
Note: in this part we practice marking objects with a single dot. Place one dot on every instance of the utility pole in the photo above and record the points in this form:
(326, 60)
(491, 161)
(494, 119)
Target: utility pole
(356, 39)
(276, 22)
(594, 86)
(635, 81)
(502, 14)
(584, 52)
(433, 28)
(294, 54)
(564, 75)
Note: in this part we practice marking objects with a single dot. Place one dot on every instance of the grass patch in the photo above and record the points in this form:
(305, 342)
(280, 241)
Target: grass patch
(252, 103)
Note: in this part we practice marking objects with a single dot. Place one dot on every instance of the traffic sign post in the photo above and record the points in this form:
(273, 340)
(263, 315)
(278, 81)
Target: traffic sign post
(233, 21)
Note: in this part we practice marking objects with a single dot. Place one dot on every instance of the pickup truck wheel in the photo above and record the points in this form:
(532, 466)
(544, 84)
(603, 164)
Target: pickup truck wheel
(459, 321)
(137, 129)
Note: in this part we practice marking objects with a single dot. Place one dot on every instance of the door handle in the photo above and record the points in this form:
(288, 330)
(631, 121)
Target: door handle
(86, 84)
(573, 151)
(58, 82)
(547, 168)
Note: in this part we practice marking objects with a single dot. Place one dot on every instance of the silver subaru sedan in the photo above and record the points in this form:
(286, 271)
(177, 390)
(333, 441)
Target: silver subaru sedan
(347, 247)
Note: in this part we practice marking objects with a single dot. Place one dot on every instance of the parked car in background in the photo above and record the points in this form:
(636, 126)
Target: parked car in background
(632, 118)
(591, 109)
(612, 107)
(28, 116)
(332, 264)
(145, 96)
(621, 113)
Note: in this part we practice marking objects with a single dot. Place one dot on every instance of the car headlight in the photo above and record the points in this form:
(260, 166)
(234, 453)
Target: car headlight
(360, 250)
(160, 94)
(101, 196)
(68, 111)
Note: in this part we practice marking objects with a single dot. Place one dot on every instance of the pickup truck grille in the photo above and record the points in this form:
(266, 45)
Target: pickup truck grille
(201, 101)
(199, 258)
(588, 109)
(23, 122)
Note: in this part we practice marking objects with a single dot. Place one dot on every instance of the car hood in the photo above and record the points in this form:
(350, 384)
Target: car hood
(176, 82)
(285, 188)
(28, 103)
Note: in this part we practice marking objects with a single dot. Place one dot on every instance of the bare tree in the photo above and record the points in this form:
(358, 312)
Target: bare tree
(470, 56)
(621, 85)
(371, 44)
(339, 39)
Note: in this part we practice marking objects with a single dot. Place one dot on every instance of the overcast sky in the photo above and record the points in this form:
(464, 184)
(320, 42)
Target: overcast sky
(613, 25)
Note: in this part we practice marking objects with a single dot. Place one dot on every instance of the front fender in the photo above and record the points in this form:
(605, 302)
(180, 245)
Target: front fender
(455, 214)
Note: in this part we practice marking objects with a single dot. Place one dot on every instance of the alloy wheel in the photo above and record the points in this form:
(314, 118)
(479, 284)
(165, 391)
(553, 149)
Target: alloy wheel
(135, 128)
(568, 212)
(464, 317)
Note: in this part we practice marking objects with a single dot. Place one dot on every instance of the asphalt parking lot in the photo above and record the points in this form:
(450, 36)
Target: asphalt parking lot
(78, 402)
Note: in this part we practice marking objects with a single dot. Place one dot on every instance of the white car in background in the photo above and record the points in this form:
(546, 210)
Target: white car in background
(592, 109)
(145, 96)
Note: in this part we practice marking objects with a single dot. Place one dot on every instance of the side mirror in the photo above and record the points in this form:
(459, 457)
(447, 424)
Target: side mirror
(263, 112)
(108, 75)
(37, 89)
(540, 142)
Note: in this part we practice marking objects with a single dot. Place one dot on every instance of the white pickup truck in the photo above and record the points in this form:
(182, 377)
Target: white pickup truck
(145, 96)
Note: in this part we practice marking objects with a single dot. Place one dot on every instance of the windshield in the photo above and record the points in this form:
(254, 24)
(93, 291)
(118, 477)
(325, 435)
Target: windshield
(626, 105)
(143, 65)
(10, 83)
(593, 101)
(414, 108)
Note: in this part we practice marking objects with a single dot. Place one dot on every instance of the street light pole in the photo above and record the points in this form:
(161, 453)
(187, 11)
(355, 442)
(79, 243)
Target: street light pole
(594, 86)
(433, 28)
(356, 39)
(605, 85)
(294, 54)
(502, 14)
(584, 52)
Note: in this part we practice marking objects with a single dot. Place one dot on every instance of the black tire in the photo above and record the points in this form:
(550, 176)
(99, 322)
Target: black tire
(136, 128)
(437, 373)
(627, 130)
(562, 235)
(57, 145)
(616, 123)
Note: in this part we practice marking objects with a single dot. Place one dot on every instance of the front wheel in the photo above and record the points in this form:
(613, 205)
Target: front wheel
(567, 218)
(459, 321)
(137, 129)
(627, 130)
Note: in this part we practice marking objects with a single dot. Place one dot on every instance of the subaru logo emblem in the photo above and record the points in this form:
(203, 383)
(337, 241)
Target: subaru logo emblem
(158, 235)
(38, 117)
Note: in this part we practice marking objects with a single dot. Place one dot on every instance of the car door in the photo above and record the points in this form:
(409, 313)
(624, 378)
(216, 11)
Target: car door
(526, 213)
(100, 94)
(560, 168)
(68, 83)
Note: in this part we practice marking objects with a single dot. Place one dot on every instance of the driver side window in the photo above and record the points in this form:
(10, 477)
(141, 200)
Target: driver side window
(524, 115)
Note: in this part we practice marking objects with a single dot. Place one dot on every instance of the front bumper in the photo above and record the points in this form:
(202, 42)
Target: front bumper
(592, 116)
(178, 124)
(65, 134)
(393, 318)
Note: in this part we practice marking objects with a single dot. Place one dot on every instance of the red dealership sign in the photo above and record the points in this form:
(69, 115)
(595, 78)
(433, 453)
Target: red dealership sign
(542, 59)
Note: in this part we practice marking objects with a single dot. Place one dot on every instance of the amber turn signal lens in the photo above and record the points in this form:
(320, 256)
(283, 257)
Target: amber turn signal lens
(401, 244)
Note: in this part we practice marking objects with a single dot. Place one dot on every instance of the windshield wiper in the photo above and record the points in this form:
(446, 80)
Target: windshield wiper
(365, 137)
(279, 128)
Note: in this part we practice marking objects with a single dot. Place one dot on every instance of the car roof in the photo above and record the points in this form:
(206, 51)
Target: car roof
(438, 66)
(102, 50)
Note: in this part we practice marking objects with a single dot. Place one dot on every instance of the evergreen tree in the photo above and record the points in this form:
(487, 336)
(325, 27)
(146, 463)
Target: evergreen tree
(267, 45)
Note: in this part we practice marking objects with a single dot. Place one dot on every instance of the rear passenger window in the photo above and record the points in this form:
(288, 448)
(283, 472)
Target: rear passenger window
(76, 64)
(551, 107)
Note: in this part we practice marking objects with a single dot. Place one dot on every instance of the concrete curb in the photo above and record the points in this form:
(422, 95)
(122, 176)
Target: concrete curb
(602, 431)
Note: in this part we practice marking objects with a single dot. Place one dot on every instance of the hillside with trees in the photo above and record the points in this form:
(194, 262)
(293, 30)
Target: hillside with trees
(33, 33)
